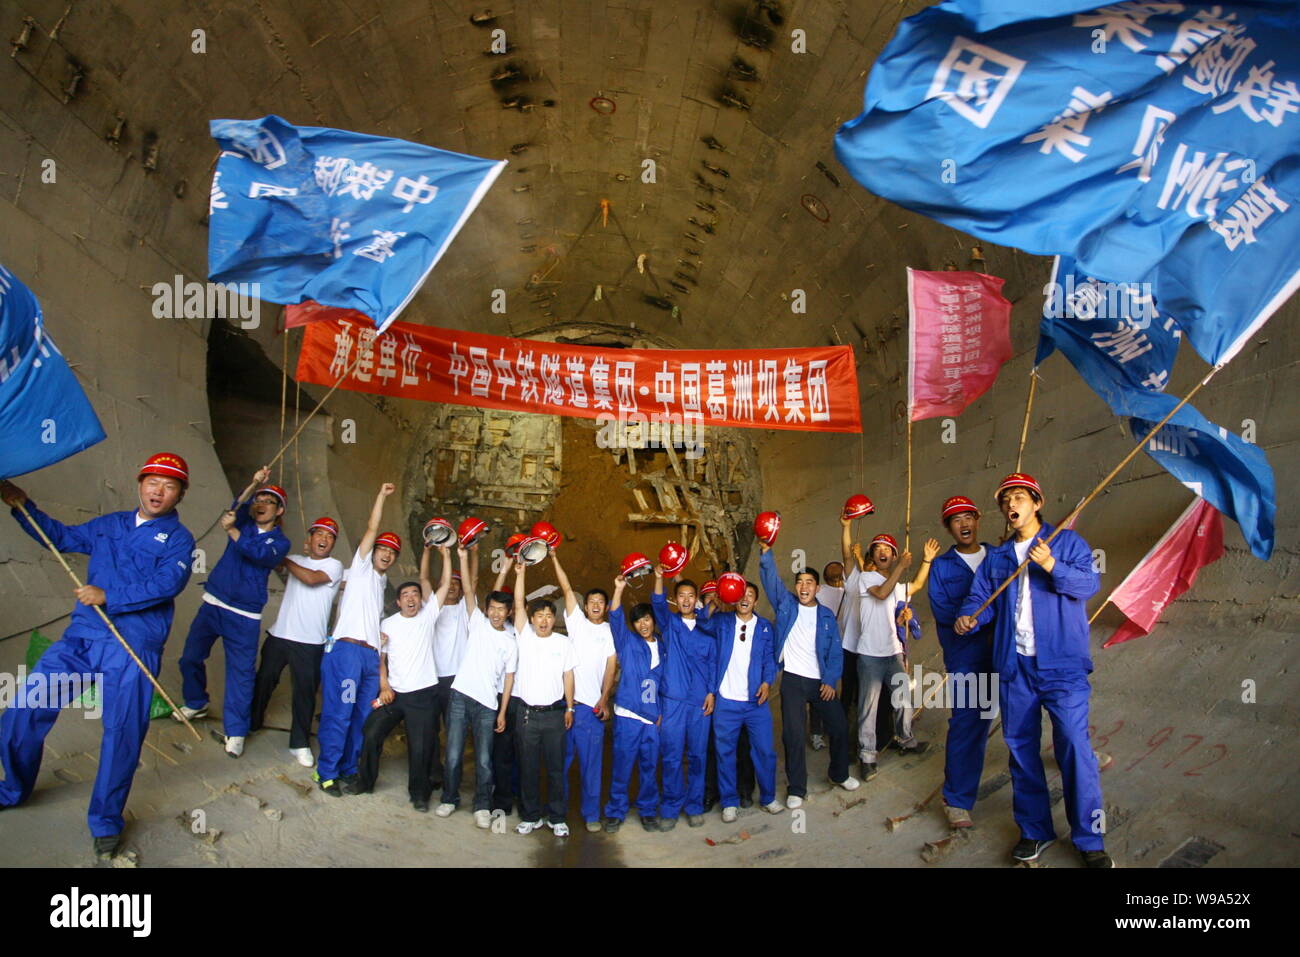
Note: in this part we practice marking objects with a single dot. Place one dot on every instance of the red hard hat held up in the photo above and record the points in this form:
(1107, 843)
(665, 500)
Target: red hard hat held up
(470, 531)
(709, 588)
(673, 557)
(547, 533)
(857, 506)
(532, 550)
(513, 543)
(635, 565)
(731, 587)
(766, 526)
(438, 531)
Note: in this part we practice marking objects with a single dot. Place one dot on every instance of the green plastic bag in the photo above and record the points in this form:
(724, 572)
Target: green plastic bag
(36, 645)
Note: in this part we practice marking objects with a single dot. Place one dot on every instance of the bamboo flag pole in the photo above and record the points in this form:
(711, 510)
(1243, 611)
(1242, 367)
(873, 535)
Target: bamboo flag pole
(1099, 608)
(22, 507)
(1100, 485)
(1024, 427)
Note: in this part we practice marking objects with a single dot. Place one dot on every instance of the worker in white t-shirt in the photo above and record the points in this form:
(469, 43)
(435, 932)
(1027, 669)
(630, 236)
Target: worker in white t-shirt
(593, 681)
(849, 616)
(350, 669)
(544, 686)
(408, 682)
(297, 638)
(449, 637)
(880, 652)
(477, 706)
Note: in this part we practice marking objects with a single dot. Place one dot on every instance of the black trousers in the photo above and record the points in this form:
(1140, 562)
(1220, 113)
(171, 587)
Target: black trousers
(505, 749)
(848, 694)
(744, 769)
(797, 695)
(304, 675)
(442, 692)
(416, 708)
(541, 740)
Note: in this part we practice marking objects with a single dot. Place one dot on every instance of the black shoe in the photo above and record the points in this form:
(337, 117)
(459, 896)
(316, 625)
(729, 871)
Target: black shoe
(330, 787)
(612, 824)
(351, 784)
(709, 804)
(1096, 859)
(869, 770)
(436, 783)
(919, 748)
(667, 823)
(747, 801)
(421, 806)
(1027, 850)
(106, 847)
(650, 823)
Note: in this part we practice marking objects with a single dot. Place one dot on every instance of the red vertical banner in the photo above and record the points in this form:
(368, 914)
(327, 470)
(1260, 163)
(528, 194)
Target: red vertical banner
(959, 335)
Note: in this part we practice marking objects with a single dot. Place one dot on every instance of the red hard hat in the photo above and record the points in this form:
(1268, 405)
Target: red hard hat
(731, 587)
(883, 539)
(955, 506)
(533, 549)
(168, 465)
(391, 540)
(438, 531)
(635, 565)
(273, 490)
(766, 526)
(512, 544)
(673, 557)
(858, 506)
(709, 588)
(1018, 480)
(327, 524)
(470, 531)
(547, 533)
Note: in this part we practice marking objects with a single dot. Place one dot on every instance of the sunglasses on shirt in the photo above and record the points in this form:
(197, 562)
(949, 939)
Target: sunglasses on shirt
(743, 626)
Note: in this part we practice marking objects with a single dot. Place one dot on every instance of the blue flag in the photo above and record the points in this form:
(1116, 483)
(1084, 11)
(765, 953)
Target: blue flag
(1153, 142)
(346, 219)
(1124, 349)
(44, 414)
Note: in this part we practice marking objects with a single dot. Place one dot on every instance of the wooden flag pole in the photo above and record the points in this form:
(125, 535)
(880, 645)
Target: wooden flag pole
(1099, 608)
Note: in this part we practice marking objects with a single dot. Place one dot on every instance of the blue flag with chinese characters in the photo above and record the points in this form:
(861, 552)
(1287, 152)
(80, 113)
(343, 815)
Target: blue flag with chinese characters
(345, 219)
(1125, 350)
(44, 414)
(1153, 142)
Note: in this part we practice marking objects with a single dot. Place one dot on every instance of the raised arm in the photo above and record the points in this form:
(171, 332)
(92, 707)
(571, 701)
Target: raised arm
(376, 516)
(846, 540)
(468, 581)
(444, 584)
(521, 609)
(928, 551)
(886, 588)
(570, 599)
(778, 596)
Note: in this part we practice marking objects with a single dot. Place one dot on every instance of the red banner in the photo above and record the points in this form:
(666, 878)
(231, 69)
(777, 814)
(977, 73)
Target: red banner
(1168, 570)
(958, 337)
(813, 389)
(299, 314)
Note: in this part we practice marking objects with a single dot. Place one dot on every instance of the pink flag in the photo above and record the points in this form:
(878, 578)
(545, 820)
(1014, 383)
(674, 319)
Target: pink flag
(1168, 570)
(312, 311)
(958, 338)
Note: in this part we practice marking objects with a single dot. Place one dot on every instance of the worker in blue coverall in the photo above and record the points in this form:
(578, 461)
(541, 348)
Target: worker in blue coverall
(738, 698)
(233, 598)
(692, 657)
(968, 660)
(139, 562)
(638, 712)
(1040, 651)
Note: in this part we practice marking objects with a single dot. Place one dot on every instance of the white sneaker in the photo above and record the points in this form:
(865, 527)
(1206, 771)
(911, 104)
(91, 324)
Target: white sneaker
(304, 756)
(850, 783)
(482, 819)
(866, 757)
(793, 801)
(561, 829)
(234, 746)
(818, 742)
(729, 814)
(776, 807)
(527, 827)
(445, 810)
(190, 713)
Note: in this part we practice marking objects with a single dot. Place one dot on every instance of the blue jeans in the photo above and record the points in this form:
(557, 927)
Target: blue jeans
(876, 675)
(464, 714)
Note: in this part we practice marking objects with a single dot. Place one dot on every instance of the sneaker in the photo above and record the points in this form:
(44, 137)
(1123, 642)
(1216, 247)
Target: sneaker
(793, 801)
(865, 757)
(612, 824)
(304, 756)
(747, 801)
(776, 807)
(869, 770)
(1027, 850)
(593, 827)
(330, 787)
(190, 713)
(1096, 859)
(958, 817)
(421, 806)
(695, 820)
(445, 810)
(560, 830)
(849, 784)
(919, 748)
(351, 784)
(234, 746)
(106, 847)
(818, 742)
(482, 819)
(667, 823)
(650, 823)
(729, 815)
(527, 827)
(1104, 760)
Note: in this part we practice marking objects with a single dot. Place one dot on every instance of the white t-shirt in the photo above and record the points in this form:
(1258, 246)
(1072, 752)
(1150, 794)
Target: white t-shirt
(450, 635)
(490, 655)
(849, 618)
(735, 682)
(305, 610)
(974, 559)
(690, 623)
(410, 648)
(539, 679)
(593, 645)
(654, 663)
(362, 605)
(877, 634)
(1025, 644)
(831, 596)
(800, 651)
